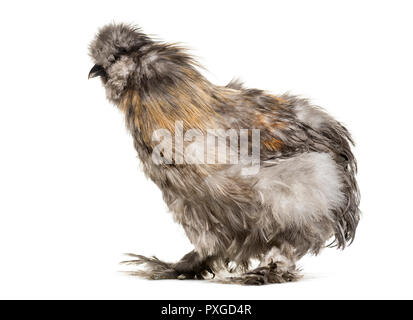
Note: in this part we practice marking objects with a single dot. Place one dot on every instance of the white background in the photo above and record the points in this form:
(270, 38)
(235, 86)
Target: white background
(72, 196)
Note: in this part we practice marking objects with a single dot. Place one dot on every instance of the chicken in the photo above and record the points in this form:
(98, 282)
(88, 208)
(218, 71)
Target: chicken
(285, 183)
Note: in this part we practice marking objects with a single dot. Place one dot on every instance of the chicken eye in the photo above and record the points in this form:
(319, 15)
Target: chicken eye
(114, 58)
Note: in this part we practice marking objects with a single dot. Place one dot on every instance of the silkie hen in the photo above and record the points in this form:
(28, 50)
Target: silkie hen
(289, 189)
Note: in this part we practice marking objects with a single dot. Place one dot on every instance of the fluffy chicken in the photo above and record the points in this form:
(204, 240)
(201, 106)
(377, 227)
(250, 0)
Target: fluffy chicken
(303, 194)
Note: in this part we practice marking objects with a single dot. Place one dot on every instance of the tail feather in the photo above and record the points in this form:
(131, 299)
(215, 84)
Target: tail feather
(348, 216)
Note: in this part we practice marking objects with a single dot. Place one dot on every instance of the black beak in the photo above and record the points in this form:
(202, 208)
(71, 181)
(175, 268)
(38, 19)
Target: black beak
(96, 71)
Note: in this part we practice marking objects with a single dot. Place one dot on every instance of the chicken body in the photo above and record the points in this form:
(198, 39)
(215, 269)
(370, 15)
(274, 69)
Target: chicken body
(303, 194)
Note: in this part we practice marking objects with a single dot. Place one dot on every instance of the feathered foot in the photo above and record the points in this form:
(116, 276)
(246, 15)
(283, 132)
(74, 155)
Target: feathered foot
(154, 268)
(270, 273)
(191, 266)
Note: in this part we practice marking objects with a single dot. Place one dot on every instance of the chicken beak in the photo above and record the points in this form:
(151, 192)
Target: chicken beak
(96, 71)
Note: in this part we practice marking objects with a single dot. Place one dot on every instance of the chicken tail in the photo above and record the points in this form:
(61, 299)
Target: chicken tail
(348, 215)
